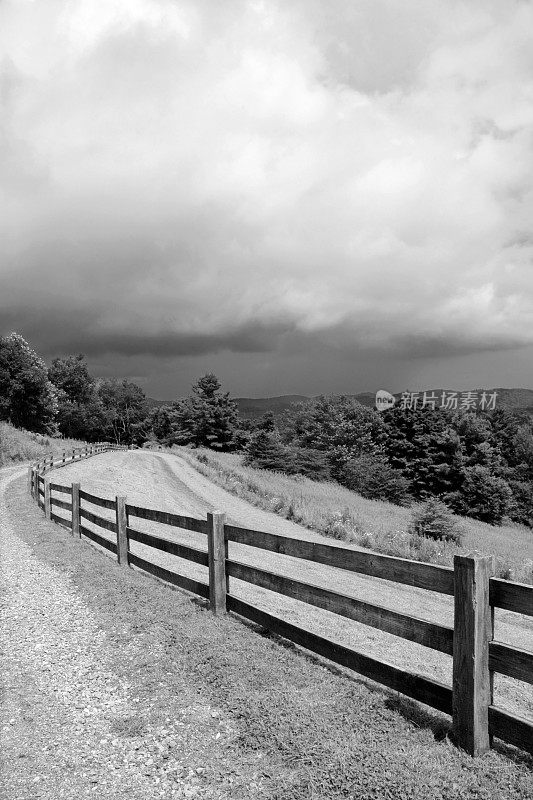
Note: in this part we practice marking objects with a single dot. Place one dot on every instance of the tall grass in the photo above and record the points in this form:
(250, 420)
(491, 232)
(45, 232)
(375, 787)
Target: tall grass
(332, 510)
(18, 445)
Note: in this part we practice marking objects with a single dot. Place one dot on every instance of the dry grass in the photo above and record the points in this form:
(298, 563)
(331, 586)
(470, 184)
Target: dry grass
(18, 445)
(338, 512)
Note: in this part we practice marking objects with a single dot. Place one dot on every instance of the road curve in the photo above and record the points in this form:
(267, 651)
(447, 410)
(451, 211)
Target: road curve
(167, 482)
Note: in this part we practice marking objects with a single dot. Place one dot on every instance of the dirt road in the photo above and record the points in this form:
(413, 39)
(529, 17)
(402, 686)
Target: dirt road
(165, 481)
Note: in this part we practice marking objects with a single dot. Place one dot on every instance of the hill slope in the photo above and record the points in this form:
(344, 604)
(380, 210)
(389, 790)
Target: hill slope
(19, 445)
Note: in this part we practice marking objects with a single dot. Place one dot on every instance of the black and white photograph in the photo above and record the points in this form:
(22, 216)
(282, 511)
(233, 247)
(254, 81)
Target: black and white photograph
(266, 399)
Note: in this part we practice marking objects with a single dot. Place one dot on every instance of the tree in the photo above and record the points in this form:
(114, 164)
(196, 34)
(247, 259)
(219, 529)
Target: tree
(265, 451)
(207, 418)
(433, 518)
(71, 374)
(426, 448)
(372, 476)
(482, 495)
(339, 426)
(160, 424)
(80, 410)
(124, 405)
(266, 423)
(27, 397)
(307, 461)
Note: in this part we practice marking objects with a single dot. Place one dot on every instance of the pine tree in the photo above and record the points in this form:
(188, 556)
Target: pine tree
(265, 451)
(207, 418)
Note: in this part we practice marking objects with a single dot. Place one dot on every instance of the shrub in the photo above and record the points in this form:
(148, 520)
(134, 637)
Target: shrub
(341, 525)
(373, 477)
(265, 451)
(482, 495)
(309, 462)
(433, 519)
(522, 506)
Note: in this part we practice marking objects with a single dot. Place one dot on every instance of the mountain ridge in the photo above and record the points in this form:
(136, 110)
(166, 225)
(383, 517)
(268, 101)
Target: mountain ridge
(515, 399)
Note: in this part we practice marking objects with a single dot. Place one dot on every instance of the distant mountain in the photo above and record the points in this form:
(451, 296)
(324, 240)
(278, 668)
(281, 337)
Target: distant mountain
(251, 407)
(254, 407)
(518, 400)
(153, 403)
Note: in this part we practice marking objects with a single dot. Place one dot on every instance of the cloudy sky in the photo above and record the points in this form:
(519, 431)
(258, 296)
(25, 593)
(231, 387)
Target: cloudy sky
(301, 196)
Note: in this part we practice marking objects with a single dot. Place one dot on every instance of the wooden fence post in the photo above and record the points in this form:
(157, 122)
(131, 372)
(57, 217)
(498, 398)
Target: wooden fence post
(76, 509)
(36, 485)
(47, 505)
(30, 480)
(63, 458)
(122, 531)
(471, 636)
(216, 553)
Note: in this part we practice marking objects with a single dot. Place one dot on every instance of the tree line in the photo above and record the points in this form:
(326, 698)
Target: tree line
(479, 463)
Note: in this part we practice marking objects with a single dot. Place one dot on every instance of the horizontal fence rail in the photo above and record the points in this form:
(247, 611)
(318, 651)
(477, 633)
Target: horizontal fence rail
(399, 570)
(172, 548)
(97, 501)
(417, 630)
(55, 487)
(175, 520)
(476, 657)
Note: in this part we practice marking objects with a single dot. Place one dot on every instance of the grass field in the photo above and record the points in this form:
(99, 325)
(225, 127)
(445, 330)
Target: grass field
(338, 512)
(19, 445)
(291, 728)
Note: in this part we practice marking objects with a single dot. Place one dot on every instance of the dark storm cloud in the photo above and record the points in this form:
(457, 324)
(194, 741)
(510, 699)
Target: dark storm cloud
(183, 178)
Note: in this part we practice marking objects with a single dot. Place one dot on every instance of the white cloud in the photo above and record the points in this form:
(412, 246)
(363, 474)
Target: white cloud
(175, 169)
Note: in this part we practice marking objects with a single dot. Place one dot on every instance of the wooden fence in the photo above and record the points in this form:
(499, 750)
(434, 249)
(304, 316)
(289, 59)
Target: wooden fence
(476, 656)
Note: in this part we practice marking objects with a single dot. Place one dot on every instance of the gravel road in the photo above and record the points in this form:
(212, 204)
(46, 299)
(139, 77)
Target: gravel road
(62, 702)
(167, 482)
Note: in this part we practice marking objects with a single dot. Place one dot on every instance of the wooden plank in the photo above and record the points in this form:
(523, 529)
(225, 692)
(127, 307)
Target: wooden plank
(472, 685)
(217, 555)
(47, 497)
(97, 501)
(76, 509)
(98, 539)
(122, 531)
(399, 570)
(434, 694)
(512, 596)
(190, 585)
(41, 479)
(173, 548)
(96, 520)
(65, 523)
(514, 730)
(176, 520)
(511, 661)
(60, 504)
(56, 487)
(429, 634)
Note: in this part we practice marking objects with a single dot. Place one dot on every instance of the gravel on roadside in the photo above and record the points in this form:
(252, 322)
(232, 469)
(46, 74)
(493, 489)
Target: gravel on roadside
(71, 727)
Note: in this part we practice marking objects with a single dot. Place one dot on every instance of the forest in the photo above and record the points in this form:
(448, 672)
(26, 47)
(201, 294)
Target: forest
(476, 463)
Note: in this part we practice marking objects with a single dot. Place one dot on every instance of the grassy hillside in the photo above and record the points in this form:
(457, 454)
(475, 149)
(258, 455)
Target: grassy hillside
(338, 512)
(19, 445)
